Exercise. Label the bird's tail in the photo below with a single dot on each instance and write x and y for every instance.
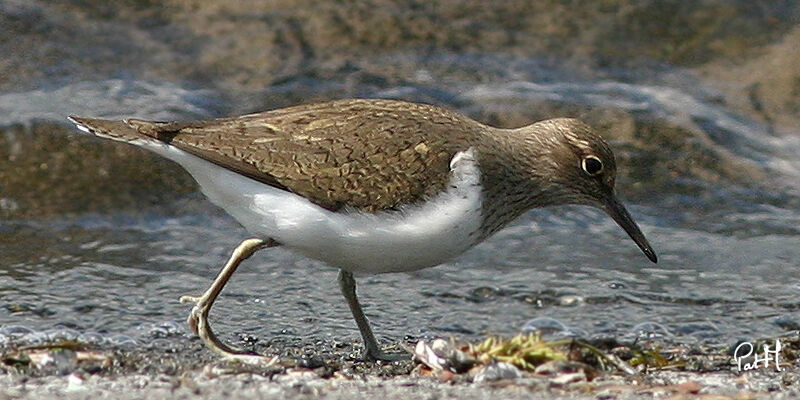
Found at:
(121, 131)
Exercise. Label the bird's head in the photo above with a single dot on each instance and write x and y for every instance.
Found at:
(578, 167)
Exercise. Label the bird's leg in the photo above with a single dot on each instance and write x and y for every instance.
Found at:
(198, 318)
(371, 350)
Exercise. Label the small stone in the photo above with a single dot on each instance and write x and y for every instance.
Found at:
(497, 371)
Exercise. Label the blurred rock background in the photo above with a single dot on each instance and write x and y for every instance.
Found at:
(197, 59)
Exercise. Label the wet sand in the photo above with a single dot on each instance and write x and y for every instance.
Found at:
(186, 370)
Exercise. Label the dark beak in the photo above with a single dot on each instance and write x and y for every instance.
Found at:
(618, 212)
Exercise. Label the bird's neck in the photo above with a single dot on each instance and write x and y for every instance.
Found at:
(515, 177)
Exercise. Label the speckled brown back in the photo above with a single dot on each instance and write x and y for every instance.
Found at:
(370, 155)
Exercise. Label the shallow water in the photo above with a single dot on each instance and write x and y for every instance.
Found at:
(122, 276)
(715, 191)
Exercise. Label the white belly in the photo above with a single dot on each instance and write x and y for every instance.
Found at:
(412, 238)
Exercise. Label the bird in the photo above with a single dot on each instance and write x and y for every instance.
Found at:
(372, 186)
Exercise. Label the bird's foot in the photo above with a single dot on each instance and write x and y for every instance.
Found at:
(195, 314)
(198, 322)
(380, 355)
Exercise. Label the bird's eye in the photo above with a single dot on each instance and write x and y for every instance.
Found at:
(592, 165)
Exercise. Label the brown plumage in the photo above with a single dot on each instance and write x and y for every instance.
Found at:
(377, 155)
(370, 155)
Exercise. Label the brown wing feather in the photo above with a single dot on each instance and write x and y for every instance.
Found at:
(364, 154)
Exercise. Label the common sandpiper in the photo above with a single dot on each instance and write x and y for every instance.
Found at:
(374, 186)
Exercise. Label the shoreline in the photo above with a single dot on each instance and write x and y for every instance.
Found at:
(185, 369)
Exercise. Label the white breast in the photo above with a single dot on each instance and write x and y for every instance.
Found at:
(412, 238)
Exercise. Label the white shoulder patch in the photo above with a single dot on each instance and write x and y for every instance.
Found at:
(464, 169)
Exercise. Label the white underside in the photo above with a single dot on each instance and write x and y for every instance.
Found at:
(412, 238)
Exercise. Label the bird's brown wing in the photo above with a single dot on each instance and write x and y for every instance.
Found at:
(369, 155)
